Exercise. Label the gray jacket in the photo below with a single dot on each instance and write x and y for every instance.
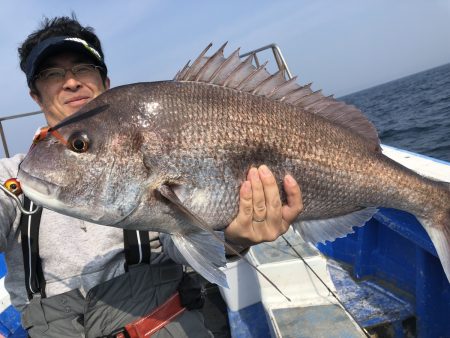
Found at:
(75, 254)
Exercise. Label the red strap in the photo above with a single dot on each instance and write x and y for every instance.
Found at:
(44, 132)
(157, 319)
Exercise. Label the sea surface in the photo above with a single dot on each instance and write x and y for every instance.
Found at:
(411, 113)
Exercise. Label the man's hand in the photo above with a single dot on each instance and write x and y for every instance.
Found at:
(262, 217)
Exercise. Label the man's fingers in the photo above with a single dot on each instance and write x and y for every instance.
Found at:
(271, 196)
(245, 204)
(261, 215)
(259, 201)
(294, 200)
(240, 230)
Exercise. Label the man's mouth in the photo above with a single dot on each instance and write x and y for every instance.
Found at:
(77, 101)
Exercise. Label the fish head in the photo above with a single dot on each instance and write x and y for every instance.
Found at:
(89, 166)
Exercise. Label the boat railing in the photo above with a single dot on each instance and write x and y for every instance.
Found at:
(277, 55)
(2, 131)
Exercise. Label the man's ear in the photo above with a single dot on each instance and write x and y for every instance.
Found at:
(107, 83)
(36, 98)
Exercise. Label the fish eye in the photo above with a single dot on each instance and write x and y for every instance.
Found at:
(78, 143)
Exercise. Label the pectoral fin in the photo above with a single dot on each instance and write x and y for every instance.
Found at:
(203, 249)
(204, 254)
(166, 191)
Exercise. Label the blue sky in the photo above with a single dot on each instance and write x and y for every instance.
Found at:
(340, 46)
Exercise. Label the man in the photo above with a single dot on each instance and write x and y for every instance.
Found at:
(78, 281)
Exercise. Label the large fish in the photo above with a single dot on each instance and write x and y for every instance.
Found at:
(170, 156)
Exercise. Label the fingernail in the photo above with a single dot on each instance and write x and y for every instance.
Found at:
(254, 173)
(264, 170)
(289, 180)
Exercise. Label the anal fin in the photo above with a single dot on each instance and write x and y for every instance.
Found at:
(319, 231)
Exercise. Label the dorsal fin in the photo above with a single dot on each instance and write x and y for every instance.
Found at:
(240, 75)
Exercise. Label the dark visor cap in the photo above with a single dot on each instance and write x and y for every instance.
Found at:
(59, 44)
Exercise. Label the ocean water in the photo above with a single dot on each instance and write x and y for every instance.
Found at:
(411, 113)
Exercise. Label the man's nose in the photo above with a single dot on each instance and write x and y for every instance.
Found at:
(70, 81)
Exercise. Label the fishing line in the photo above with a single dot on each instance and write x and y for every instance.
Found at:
(326, 286)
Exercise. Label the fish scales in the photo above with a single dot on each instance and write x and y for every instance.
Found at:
(239, 130)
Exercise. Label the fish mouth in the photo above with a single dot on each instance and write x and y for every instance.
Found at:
(45, 194)
(39, 191)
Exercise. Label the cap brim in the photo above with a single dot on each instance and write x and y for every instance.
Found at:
(54, 45)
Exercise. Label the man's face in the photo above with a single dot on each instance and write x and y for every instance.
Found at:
(59, 99)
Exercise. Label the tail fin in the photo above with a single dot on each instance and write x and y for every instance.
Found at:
(439, 231)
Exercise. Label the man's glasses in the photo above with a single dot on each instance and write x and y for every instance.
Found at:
(81, 72)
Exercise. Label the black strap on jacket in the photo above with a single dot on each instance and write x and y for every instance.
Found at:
(137, 247)
(136, 243)
(29, 229)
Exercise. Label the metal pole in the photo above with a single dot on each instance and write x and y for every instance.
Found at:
(12, 117)
(255, 57)
(279, 57)
(258, 50)
(281, 62)
(5, 145)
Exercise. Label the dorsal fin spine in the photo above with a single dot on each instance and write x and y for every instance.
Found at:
(223, 65)
(247, 61)
(180, 74)
(265, 82)
(334, 107)
(310, 98)
(251, 76)
(303, 90)
(282, 86)
(325, 105)
(211, 59)
(313, 103)
(189, 74)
